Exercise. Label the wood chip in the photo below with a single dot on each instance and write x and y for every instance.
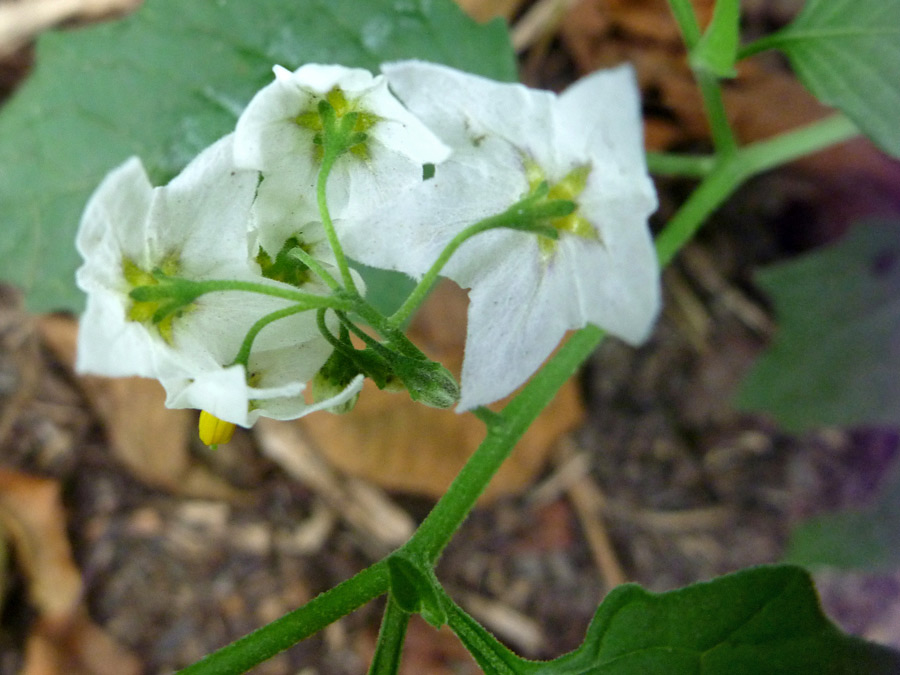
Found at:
(364, 507)
(522, 631)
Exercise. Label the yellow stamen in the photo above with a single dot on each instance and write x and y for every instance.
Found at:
(214, 431)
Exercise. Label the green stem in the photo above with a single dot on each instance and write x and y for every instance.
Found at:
(389, 648)
(722, 134)
(518, 214)
(328, 161)
(684, 14)
(324, 609)
(195, 289)
(504, 431)
(734, 169)
(316, 267)
(772, 41)
(505, 428)
(420, 292)
(492, 656)
(671, 164)
(243, 355)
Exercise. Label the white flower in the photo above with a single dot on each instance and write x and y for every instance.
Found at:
(526, 290)
(194, 228)
(276, 132)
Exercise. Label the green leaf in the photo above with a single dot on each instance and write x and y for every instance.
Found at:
(717, 50)
(169, 80)
(847, 52)
(835, 358)
(852, 539)
(764, 621)
(415, 589)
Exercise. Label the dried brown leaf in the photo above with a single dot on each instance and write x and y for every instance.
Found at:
(21, 22)
(76, 646)
(33, 518)
(484, 10)
(763, 101)
(151, 440)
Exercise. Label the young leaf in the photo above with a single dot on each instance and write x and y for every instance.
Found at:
(717, 49)
(860, 538)
(835, 359)
(760, 620)
(166, 82)
(847, 52)
(416, 590)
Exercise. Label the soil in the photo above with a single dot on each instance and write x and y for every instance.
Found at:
(684, 487)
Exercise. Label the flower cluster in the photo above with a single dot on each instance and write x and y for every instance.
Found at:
(231, 284)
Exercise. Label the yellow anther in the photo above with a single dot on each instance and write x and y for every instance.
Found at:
(214, 431)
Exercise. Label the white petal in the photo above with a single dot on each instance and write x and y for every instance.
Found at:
(110, 345)
(516, 318)
(289, 408)
(223, 393)
(114, 224)
(462, 109)
(408, 232)
(602, 114)
(203, 214)
(267, 128)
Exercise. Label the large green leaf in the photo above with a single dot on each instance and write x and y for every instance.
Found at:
(169, 80)
(836, 357)
(761, 621)
(847, 52)
(867, 538)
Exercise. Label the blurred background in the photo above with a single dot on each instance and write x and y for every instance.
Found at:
(126, 546)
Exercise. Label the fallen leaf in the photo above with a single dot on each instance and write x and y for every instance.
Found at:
(362, 505)
(152, 441)
(63, 639)
(485, 10)
(400, 445)
(33, 518)
(76, 647)
(21, 22)
(763, 101)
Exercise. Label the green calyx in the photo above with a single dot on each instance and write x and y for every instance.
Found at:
(154, 308)
(332, 378)
(568, 190)
(286, 267)
(336, 121)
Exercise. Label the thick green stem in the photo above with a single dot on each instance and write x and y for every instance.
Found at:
(734, 169)
(504, 431)
(689, 166)
(324, 609)
(493, 656)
